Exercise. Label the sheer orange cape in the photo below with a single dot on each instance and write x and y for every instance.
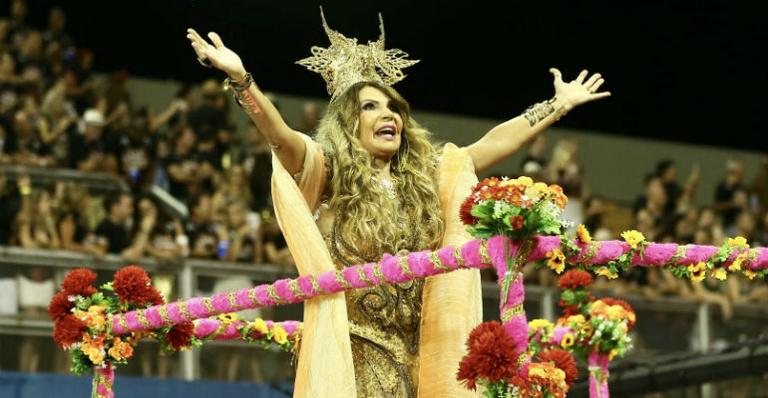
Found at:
(451, 303)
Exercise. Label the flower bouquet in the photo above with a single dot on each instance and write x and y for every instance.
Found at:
(80, 313)
(498, 358)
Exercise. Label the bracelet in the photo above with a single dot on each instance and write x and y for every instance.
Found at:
(238, 86)
(538, 112)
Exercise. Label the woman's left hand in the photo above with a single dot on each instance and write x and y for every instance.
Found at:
(580, 90)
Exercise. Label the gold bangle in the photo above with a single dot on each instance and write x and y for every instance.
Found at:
(238, 86)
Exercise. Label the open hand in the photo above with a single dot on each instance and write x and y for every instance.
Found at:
(216, 54)
(580, 90)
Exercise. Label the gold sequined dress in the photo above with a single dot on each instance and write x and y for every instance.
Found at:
(400, 340)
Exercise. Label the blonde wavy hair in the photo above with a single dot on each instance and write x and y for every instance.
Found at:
(368, 223)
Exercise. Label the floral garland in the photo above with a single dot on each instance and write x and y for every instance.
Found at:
(80, 314)
(498, 357)
(267, 334)
(594, 330)
(81, 325)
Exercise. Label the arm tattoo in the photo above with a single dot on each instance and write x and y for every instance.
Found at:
(538, 112)
(247, 102)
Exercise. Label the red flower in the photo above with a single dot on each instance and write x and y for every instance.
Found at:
(79, 281)
(568, 309)
(133, 285)
(574, 278)
(491, 355)
(59, 305)
(564, 361)
(614, 301)
(465, 211)
(180, 335)
(68, 330)
(516, 222)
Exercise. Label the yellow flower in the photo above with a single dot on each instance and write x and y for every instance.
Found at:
(750, 274)
(582, 233)
(547, 371)
(95, 354)
(575, 320)
(615, 312)
(567, 341)
(738, 261)
(556, 260)
(228, 317)
(536, 190)
(720, 274)
(535, 369)
(279, 334)
(612, 354)
(544, 324)
(260, 326)
(525, 181)
(606, 272)
(96, 309)
(737, 242)
(587, 329)
(633, 237)
(698, 271)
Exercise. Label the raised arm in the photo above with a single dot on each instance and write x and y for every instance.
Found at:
(506, 138)
(285, 142)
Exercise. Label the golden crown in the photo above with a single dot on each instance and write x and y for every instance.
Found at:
(345, 62)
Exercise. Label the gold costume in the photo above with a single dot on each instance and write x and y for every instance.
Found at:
(382, 341)
(402, 340)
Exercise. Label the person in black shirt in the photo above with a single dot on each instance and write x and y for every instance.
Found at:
(87, 150)
(113, 233)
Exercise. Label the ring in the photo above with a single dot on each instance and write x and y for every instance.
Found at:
(204, 61)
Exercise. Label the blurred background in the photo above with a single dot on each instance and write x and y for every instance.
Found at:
(109, 127)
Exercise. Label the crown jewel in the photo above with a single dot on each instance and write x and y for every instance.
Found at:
(345, 62)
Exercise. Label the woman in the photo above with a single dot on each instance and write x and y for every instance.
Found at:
(377, 185)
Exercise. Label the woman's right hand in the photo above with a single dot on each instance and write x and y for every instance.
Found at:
(217, 54)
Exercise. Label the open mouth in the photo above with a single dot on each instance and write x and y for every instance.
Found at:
(387, 132)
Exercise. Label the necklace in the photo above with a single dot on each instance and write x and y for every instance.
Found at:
(387, 186)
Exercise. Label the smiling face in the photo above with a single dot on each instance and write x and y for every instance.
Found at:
(380, 125)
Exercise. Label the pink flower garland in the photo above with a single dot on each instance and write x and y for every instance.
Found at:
(396, 269)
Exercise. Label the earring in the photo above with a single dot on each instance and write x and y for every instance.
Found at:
(402, 156)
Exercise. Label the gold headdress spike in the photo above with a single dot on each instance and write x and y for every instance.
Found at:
(345, 62)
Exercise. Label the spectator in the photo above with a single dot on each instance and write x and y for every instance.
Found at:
(202, 232)
(594, 218)
(10, 204)
(87, 151)
(233, 189)
(187, 175)
(164, 243)
(242, 232)
(566, 171)
(61, 122)
(24, 144)
(37, 226)
(74, 227)
(726, 192)
(534, 163)
(258, 165)
(55, 34)
(115, 235)
(310, 117)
